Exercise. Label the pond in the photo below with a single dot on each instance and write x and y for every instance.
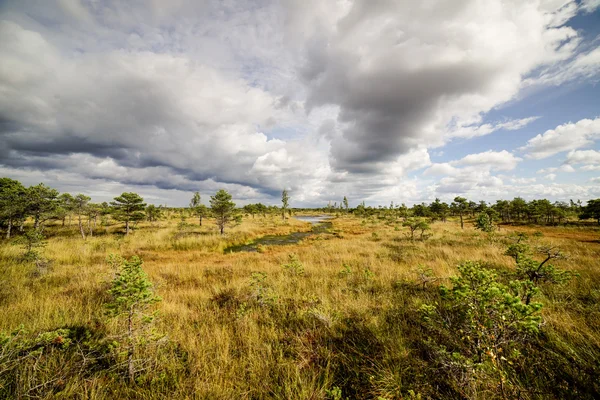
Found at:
(320, 226)
(313, 219)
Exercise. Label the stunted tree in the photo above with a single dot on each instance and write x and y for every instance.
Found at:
(197, 208)
(222, 208)
(11, 204)
(346, 203)
(591, 210)
(128, 207)
(250, 209)
(416, 224)
(105, 211)
(80, 203)
(153, 213)
(202, 212)
(65, 206)
(518, 207)
(93, 210)
(439, 209)
(285, 202)
(261, 209)
(41, 203)
(461, 206)
(484, 222)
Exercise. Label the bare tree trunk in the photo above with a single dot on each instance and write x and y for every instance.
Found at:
(127, 227)
(90, 227)
(130, 369)
(9, 228)
(81, 227)
(462, 226)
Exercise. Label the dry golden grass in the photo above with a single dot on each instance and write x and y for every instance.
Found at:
(235, 349)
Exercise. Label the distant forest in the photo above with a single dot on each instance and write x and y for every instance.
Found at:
(43, 204)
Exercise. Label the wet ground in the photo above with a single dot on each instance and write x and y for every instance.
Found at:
(320, 226)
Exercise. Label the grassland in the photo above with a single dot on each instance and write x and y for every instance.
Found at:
(347, 326)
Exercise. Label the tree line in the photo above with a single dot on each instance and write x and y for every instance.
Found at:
(42, 203)
(518, 210)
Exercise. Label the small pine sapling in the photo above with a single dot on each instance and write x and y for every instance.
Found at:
(293, 266)
(132, 297)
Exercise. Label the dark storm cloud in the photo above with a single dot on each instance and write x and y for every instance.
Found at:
(177, 95)
(138, 109)
(388, 109)
(395, 69)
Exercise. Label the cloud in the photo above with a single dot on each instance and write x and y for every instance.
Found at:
(399, 82)
(583, 157)
(466, 181)
(140, 109)
(472, 172)
(564, 137)
(590, 6)
(584, 66)
(523, 181)
(590, 168)
(488, 160)
(327, 99)
(497, 160)
(441, 169)
(471, 131)
(562, 168)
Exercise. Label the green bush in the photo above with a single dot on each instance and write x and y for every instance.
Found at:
(478, 327)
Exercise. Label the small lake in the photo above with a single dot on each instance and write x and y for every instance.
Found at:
(320, 226)
(313, 219)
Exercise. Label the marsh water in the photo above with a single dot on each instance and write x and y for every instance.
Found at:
(320, 226)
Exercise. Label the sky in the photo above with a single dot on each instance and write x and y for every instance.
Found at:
(376, 100)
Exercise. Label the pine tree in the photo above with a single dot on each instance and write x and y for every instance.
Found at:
(11, 209)
(461, 206)
(198, 208)
(285, 198)
(222, 208)
(41, 203)
(80, 204)
(132, 295)
(128, 207)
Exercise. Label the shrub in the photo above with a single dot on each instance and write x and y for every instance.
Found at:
(293, 267)
(417, 224)
(487, 323)
(262, 293)
(531, 272)
(485, 223)
(32, 241)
